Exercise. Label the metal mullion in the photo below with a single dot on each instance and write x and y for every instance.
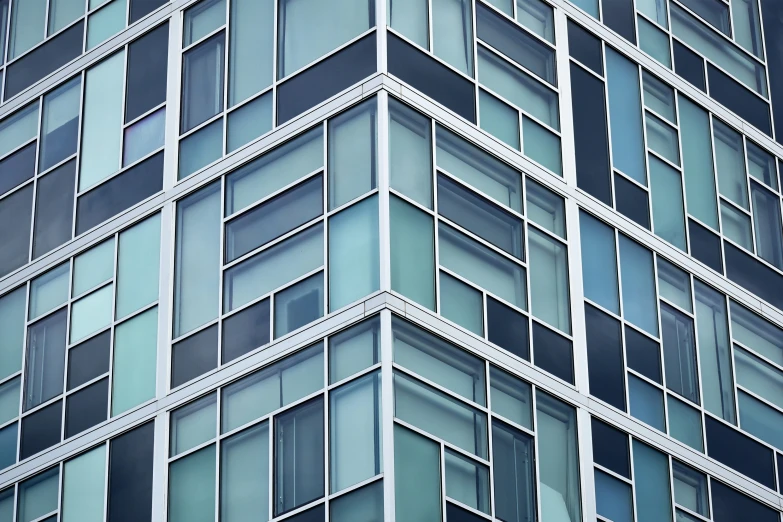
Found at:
(682, 177)
(115, 292)
(430, 26)
(384, 184)
(226, 76)
(106, 460)
(675, 306)
(23, 373)
(221, 272)
(536, 458)
(78, 160)
(273, 88)
(490, 438)
(325, 202)
(442, 480)
(67, 357)
(749, 188)
(521, 124)
(34, 205)
(42, 405)
(46, 34)
(441, 61)
(271, 460)
(290, 514)
(327, 442)
(608, 118)
(474, 56)
(633, 478)
(698, 355)
(60, 490)
(679, 507)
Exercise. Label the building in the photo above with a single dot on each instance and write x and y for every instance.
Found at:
(356, 260)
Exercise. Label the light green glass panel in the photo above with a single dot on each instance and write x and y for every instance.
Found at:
(542, 145)
(93, 267)
(249, 122)
(83, 487)
(192, 487)
(654, 42)
(655, 9)
(759, 377)
(102, 120)
(545, 208)
(455, 47)
(12, 327)
(193, 424)
(730, 163)
(135, 360)
(537, 16)
(105, 23)
(412, 252)
(736, 226)
(511, 397)
(685, 423)
(244, 476)
(461, 303)
(138, 264)
(662, 139)
(28, 26)
(646, 403)
(653, 492)
(674, 284)
(251, 49)
(354, 255)
(201, 19)
(354, 349)
(361, 505)
(417, 481)
(467, 481)
(757, 333)
(18, 128)
(667, 203)
(200, 148)
(299, 304)
(659, 97)
(499, 119)
(63, 12)
(697, 163)
(746, 25)
(760, 419)
(7, 505)
(9, 400)
(549, 280)
(37, 496)
(49, 291)
(590, 6)
(409, 18)
(351, 152)
(410, 153)
(91, 313)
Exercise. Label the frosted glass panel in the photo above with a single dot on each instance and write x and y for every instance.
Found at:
(354, 349)
(83, 487)
(135, 359)
(452, 33)
(417, 480)
(541, 145)
(93, 267)
(91, 313)
(137, 266)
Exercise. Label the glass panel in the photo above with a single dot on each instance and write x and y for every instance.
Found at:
(27, 27)
(38, 495)
(299, 304)
(736, 226)
(625, 115)
(730, 162)
(674, 284)
(662, 139)
(49, 291)
(658, 96)
(610, 448)
(441, 415)
(438, 361)
(410, 149)
(667, 203)
(638, 280)
(591, 7)
(412, 252)
(606, 370)
(586, 48)
(612, 498)
(454, 46)
(679, 352)
(417, 480)
(84, 488)
(757, 333)
(354, 349)
(251, 49)
(599, 264)
(193, 424)
(542, 145)
(499, 119)
(508, 329)
(514, 475)
(354, 255)
(761, 420)
(60, 124)
(8, 444)
(467, 481)
(146, 83)
(747, 29)
(646, 403)
(761, 165)
(197, 259)
(200, 149)
(510, 397)
(299, 445)
(135, 359)
(192, 487)
(759, 377)
(685, 423)
(549, 280)
(559, 460)
(144, 136)
(730, 504)
(697, 163)
(12, 321)
(308, 29)
(352, 153)
(9, 400)
(249, 122)
(63, 12)
(91, 313)
(362, 505)
(643, 354)
(247, 330)
(131, 474)
(690, 488)
(202, 82)
(103, 24)
(41, 430)
(14, 209)
(477, 263)
(102, 122)
(137, 266)
(545, 208)
(553, 353)
(45, 359)
(86, 408)
(631, 200)
(7, 504)
(274, 170)
(18, 128)
(461, 304)
(202, 19)
(766, 218)
(244, 475)
(54, 209)
(538, 17)
(651, 475)
(355, 432)
(18, 167)
(653, 41)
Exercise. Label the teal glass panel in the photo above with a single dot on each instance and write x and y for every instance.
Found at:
(12, 328)
(200, 148)
(18, 128)
(511, 397)
(549, 280)
(651, 476)
(730, 163)
(93, 267)
(697, 163)
(467, 481)
(49, 291)
(410, 18)
(662, 139)
(599, 264)
(736, 226)
(91, 313)
(352, 153)
(545, 208)
(84, 487)
(361, 505)
(103, 24)
(250, 50)
(192, 487)
(542, 145)
(417, 480)
(760, 419)
(659, 97)
(667, 203)
(646, 403)
(28, 26)
(193, 424)
(412, 252)
(690, 489)
(655, 9)
(674, 284)
(685, 423)
(461, 303)
(299, 304)
(589, 6)
(9, 400)
(63, 12)
(638, 280)
(7, 504)
(138, 265)
(201, 19)
(746, 25)
(761, 165)
(37, 496)
(625, 116)
(249, 122)
(499, 119)
(538, 17)
(612, 498)
(759, 377)
(654, 42)
(757, 333)
(135, 361)
(410, 153)
(244, 476)
(354, 349)
(455, 47)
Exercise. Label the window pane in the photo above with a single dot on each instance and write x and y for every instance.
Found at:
(9, 400)
(249, 122)
(102, 123)
(638, 279)
(438, 361)
(545, 208)
(37, 496)
(8, 441)
(192, 487)
(646, 403)
(147, 71)
(130, 475)
(510, 397)
(308, 29)
(730, 505)
(549, 280)
(354, 349)
(138, 265)
(441, 415)
(412, 252)
(674, 284)
(41, 430)
(352, 149)
(599, 264)
(730, 162)
(135, 360)
(625, 115)
(410, 149)
(194, 356)
(606, 371)
(631, 200)
(757, 333)
(514, 474)
(747, 29)
(499, 119)
(60, 124)
(766, 218)
(202, 82)
(103, 24)
(761, 165)
(299, 446)
(197, 259)
(91, 313)
(667, 203)
(679, 353)
(27, 26)
(86, 408)
(354, 255)
(542, 145)
(461, 303)
(651, 475)
(559, 460)
(244, 475)
(18, 128)
(685, 423)
(643, 354)
(538, 17)
(144, 136)
(610, 448)
(761, 420)
(759, 377)
(662, 139)
(467, 481)
(45, 359)
(63, 12)
(12, 320)
(15, 209)
(355, 432)
(417, 480)
(245, 331)
(200, 149)
(455, 47)
(553, 353)
(193, 424)
(362, 505)
(736, 226)
(690, 488)
(657, 95)
(477, 263)
(697, 163)
(18, 167)
(613, 497)
(508, 328)
(54, 209)
(251, 48)
(654, 42)
(49, 291)
(299, 304)
(202, 19)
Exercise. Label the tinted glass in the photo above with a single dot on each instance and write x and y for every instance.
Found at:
(643, 354)
(632, 201)
(772, 13)
(89, 359)
(740, 452)
(44, 59)
(246, 331)
(147, 72)
(780, 472)
(514, 472)
(610, 448)
(60, 124)
(585, 48)
(605, 357)
(15, 238)
(130, 475)
(202, 83)
(17, 167)
(41, 430)
(619, 15)
(754, 276)
(729, 505)
(326, 78)
(432, 78)
(54, 209)
(705, 246)
(591, 140)
(508, 328)
(457, 514)
(553, 353)
(86, 408)
(679, 353)
(315, 514)
(120, 193)
(45, 359)
(141, 8)
(689, 65)
(194, 356)
(737, 98)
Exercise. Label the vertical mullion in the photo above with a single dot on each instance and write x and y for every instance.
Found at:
(114, 322)
(221, 256)
(78, 159)
(125, 52)
(387, 419)
(326, 216)
(66, 354)
(23, 376)
(384, 182)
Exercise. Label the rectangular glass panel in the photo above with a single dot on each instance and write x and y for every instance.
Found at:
(757, 333)
(251, 48)
(685, 423)
(193, 424)
(679, 353)
(200, 149)
(714, 12)
(299, 304)
(736, 226)
(541, 145)
(514, 475)
(412, 252)
(244, 475)
(499, 119)
(50, 290)
(410, 153)
(766, 218)
(662, 139)
(27, 26)
(467, 481)
(511, 397)
(651, 475)
(659, 97)
(202, 82)
(452, 33)
(646, 403)
(91, 313)
(761, 165)
(131, 474)
(9, 400)
(191, 495)
(697, 163)
(759, 377)
(352, 146)
(63, 12)
(249, 122)
(45, 359)
(354, 349)
(667, 203)
(144, 137)
(37, 496)
(461, 303)
(538, 17)
(84, 487)
(138, 264)
(747, 28)
(613, 497)
(12, 328)
(625, 115)
(549, 280)
(674, 284)
(654, 42)
(103, 24)
(730, 163)
(362, 505)
(135, 359)
(761, 420)
(638, 280)
(54, 209)
(417, 480)
(201, 19)
(60, 124)
(546, 208)
(690, 488)
(599, 263)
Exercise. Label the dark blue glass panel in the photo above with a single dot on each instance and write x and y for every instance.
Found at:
(316, 514)
(41, 430)
(737, 98)
(246, 331)
(147, 72)
(772, 13)
(584, 47)
(619, 15)
(605, 357)
(705, 246)
(740, 452)
(54, 209)
(194, 356)
(130, 475)
(44, 60)
(780, 472)
(514, 472)
(588, 102)
(755, 277)
(729, 505)
(326, 78)
(689, 65)
(119, 193)
(86, 408)
(553, 353)
(643, 354)
(8, 445)
(432, 78)
(89, 360)
(631, 201)
(141, 8)
(15, 214)
(16, 168)
(508, 329)
(457, 514)
(610, 448)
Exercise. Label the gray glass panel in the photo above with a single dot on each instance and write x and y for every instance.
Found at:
(766, 218)
(15, 210)
(202, 82)
(45, 362)
(54, 209)
(679, 353)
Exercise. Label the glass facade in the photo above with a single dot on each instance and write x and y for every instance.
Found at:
(414, 260)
